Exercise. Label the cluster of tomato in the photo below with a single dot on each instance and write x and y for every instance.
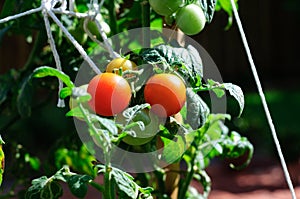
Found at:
(111, 93)
(190, 18)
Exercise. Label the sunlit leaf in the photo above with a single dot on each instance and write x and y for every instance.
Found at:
(45, 71)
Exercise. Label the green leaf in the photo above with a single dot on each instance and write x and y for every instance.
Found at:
(75, 112)
(216, 87)
(197, 109)
(52, 190)
(226, 6)
(78, 184)
(237, 93)
(186, 61)
(43, 188)
(235, 146)
(173, 149)
(45, 71)
(107, 124)
(208, 7)
(202, 177)
(65, 92)
(125, 183)
(33, 161)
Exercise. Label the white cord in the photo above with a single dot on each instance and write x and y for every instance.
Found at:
(51, 41)
(263, 99)
(6, 19)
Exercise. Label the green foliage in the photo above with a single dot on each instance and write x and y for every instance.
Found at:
(208, 7)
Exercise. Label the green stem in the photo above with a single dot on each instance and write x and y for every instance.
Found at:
(108, 183)
(146, 23)
(97, 186)
(185, 186)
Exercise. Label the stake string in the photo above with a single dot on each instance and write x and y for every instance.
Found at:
(263, 99)
(55, 54)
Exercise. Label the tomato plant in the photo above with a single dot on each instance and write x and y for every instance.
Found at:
(120, 63)
(190, 19)
(166, 93)
(110, 93)
(155, 108)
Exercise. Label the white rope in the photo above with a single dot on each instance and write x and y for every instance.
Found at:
(75, 43)
(6, 19)
(264, 102)
(51, 41)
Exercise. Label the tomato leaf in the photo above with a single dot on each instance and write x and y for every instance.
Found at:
(44, 188)
(208, 7)
(185, 61)
(235, 146)
(202, 177)
(197, 109)
(107, 124)
(125, 183)
(45, 71)
(78, 184)
(237, 93)
(173, 149)
(65, 92)
(226, 6)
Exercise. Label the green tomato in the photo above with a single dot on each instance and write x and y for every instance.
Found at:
(165, 7)
(151, 123)
(190, 19)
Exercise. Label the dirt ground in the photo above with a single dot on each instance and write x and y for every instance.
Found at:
(262, 179)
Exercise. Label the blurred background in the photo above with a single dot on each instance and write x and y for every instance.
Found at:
(272, 31)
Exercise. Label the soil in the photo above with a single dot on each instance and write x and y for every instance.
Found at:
(262, 179)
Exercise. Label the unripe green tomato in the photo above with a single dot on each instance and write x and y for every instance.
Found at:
(165, 7)
(151, 122)
(190, 19)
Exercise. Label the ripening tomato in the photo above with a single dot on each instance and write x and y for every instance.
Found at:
(118, 63)
(110, 93)
(166, 93)
(190, 19)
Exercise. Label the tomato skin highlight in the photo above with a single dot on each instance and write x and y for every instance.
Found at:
(110, 93)
(166, 93)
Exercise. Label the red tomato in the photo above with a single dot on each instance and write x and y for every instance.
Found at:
(166, 93)
(110, 93)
